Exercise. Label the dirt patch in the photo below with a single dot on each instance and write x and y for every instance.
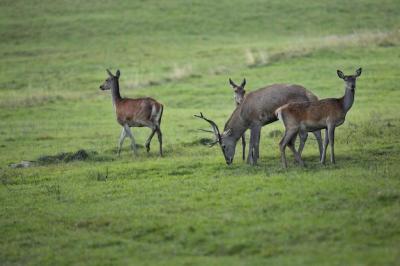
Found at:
(80, 155)
(63, 157)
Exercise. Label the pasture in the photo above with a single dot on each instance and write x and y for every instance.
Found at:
(189, 207)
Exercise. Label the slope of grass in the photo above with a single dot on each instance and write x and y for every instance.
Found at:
(189, 207)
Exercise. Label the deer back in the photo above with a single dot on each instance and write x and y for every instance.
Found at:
(259, 106)
(138, 112)
(314, 114)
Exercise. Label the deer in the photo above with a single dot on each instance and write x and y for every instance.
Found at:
(238, 95)
(139, 112)
(300, 118)
(256, 110)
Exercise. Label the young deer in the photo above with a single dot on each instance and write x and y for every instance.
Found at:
(238, 95)
(140, 112)
(300, 118)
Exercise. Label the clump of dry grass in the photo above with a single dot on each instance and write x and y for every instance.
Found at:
(180, 72)
(301, 48)
(177, 73)
(256, 57)
(259, 57)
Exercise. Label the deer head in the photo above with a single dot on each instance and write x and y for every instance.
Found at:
(225, 140)
(350, 81)
(110, 81)
(238, 90)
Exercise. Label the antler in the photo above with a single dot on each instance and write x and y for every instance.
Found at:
(214, 127)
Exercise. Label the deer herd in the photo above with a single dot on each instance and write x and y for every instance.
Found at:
(297, 108)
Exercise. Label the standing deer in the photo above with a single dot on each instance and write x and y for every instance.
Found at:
(256, 110)
(300, 118)
(238, 95)
(140, 112)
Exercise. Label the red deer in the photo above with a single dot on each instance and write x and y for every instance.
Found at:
(140, 112)
(300, 118)
(256, 110)
(238, 95)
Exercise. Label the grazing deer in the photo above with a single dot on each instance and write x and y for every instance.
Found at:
(256, 110)
(140, 112)
(238, 95)
(300, 118)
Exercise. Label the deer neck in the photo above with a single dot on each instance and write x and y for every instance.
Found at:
(348, 99)
(116, 97)
(237, 124)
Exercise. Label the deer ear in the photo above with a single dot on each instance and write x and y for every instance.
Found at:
(109, 73)
(358, 72)
(340, 74)
(118, 73)
(232, 83)
(243, 83)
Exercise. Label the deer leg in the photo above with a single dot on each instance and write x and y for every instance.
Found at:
(153, 131)
(257, 142)
(159, 135)
(296, 154)
(289, 134)
(254, 141)
(244, 146)
(303, 138)
(317, 135)
(326, 141)
(130, 135)
(250, 155)
(331, 136)
(121, 140)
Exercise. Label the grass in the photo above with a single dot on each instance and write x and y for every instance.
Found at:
(189, 207)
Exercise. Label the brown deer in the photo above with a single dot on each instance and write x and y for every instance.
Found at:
(140, 112)
(303, 117)
(256, 110)
(238, 95)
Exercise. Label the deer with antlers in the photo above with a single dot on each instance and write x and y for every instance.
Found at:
(238, 95)
(256, 110)
(140, 112)
(303, 117)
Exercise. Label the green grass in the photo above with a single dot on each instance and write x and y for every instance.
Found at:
(189, 207)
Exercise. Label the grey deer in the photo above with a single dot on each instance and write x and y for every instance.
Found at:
(256, 110)
(139, 112)
(238, 95)
(300, 118)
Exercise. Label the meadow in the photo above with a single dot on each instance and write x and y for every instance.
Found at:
(189, 207)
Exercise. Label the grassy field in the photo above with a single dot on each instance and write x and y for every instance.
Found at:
(189, 207)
